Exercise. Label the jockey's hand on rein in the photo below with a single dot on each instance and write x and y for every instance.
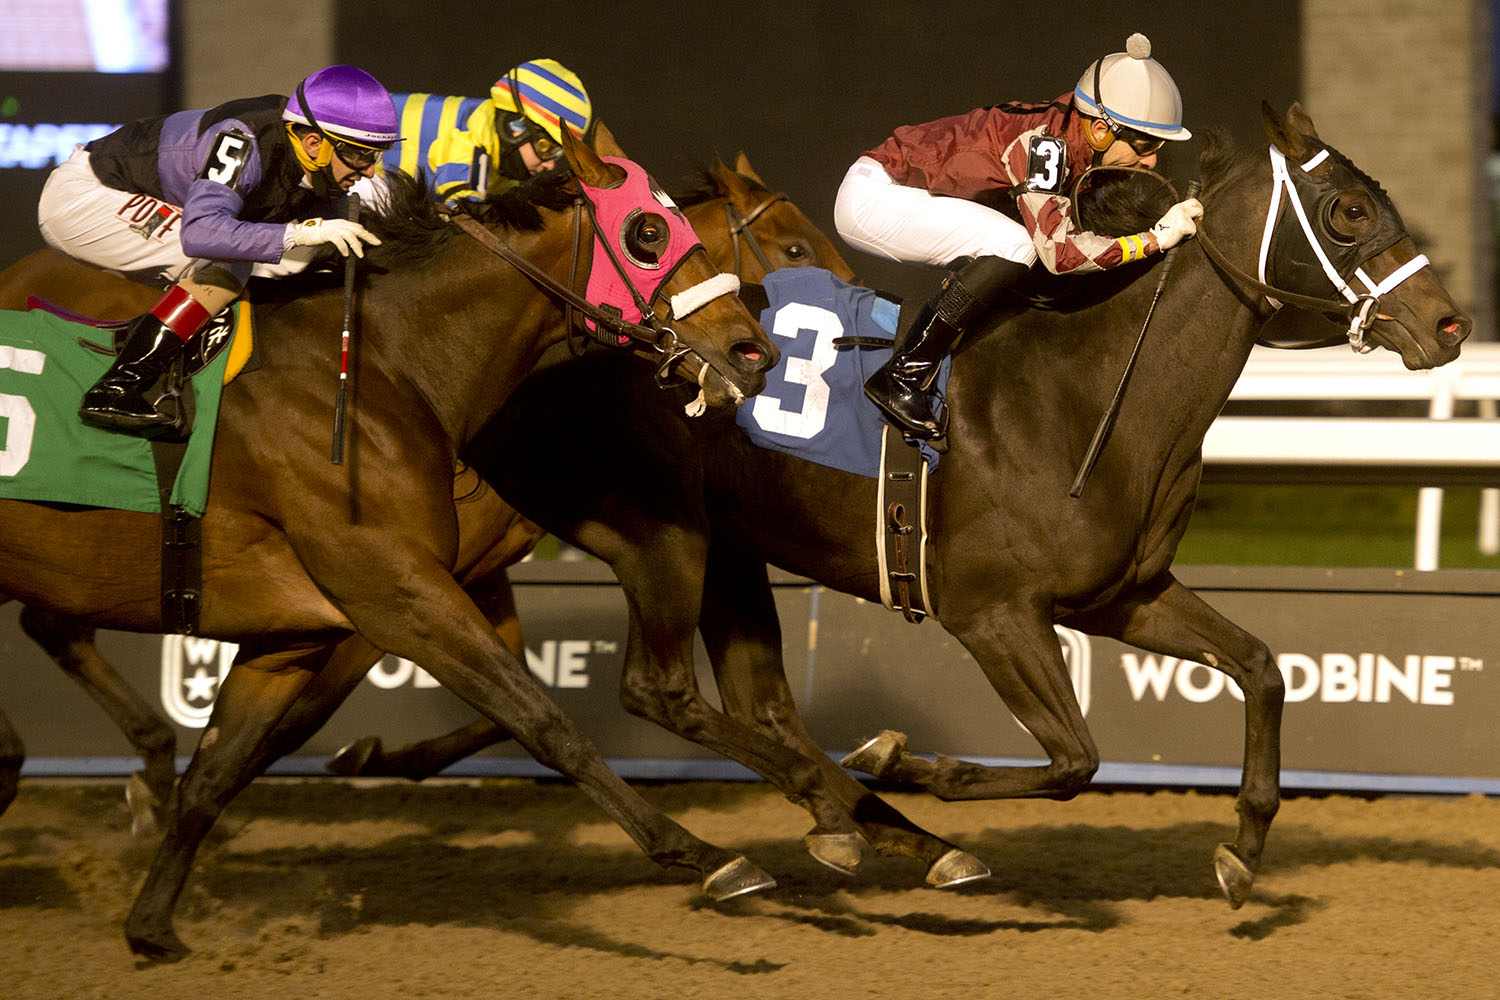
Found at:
(1180, 222)
(347, 236)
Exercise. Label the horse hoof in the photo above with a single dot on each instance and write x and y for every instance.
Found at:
(1235, 877)
(163, 947)
(736, 879)
(877, 754)
(143, 804)
(840, 851)
(352, 760)
(955, 868)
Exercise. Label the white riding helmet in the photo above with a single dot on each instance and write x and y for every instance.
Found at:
(1136, 92)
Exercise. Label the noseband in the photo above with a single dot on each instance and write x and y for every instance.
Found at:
(1360, 308)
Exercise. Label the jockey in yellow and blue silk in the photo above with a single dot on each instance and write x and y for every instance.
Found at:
(475, 147)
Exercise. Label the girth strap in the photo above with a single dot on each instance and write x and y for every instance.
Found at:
(901, 527)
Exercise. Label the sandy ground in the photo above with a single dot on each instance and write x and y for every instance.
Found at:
(455, 889)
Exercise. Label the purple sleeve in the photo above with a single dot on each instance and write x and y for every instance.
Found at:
(213, 186)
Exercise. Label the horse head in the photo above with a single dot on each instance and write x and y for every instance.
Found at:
(776, 232)
(649, 266)
(1331, 230)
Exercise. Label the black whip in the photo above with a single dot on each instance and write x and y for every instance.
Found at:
(340, 403)
(1107, 422)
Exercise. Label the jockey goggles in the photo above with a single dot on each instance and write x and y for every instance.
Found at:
(522, 130)
(355, 156)
(1140, 142)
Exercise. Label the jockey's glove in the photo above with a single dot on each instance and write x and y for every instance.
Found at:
(1180, 222)
(346, 235)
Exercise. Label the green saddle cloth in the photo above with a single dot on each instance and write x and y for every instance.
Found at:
(47, 453)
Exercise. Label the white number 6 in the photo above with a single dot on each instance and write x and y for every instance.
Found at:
(20, 418)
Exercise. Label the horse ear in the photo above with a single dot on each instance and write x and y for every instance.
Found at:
(586, 164)
(729, 183)
(742, 166)
(604, 142)
(1291, 142)
(1299, 120)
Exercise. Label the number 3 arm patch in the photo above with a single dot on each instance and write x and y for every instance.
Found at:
(226, 157)
(1046, 162)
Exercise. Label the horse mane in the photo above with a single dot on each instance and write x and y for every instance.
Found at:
(698, 187)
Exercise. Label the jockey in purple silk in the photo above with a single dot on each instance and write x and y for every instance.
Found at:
(198, 201)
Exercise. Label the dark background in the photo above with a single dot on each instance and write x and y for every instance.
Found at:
(801, 88)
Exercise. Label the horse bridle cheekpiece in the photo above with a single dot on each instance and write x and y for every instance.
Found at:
(640, 239)
(1305, 265)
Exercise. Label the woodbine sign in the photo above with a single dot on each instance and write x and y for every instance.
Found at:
(1393, 683)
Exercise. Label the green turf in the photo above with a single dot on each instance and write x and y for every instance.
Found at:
(1327, 526)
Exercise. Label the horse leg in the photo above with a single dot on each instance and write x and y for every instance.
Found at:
(1170, 619)
(742, 633)
(367, 756)
(466, 656)
(1023, 661)
(12, 756)
(70, 643)
(252, 699)
(663, 579)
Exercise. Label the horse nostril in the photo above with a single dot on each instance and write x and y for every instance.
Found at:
(1454, 329)
(751, 356)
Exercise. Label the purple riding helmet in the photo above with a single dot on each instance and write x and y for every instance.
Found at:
(352, 111)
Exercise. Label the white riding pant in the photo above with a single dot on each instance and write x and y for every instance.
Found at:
(132, 235)
(875, 214)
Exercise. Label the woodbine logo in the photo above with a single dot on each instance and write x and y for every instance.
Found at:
(1330, 678)
(192, 669)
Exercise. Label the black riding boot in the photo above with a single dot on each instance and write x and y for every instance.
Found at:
(118, 399)
(900, 387)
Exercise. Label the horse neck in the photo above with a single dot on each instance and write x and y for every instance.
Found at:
(480, 324)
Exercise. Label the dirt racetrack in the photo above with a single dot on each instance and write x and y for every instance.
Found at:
(513, 889)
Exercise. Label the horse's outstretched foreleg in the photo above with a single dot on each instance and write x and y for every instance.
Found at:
(742, 633)
(491, 591)
(1169, 618)
(467, 657)
(258, 691)
(12, 756)
(70, 643)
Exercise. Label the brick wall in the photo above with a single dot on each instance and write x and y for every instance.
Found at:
(1402, 88)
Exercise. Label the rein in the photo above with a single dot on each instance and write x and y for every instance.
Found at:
(741, 224)
(660, 337)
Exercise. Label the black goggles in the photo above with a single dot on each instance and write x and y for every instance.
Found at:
(1140, 142)
(354, 155)
(522, 130)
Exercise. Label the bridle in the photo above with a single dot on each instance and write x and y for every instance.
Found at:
(740, 224)
(1359, 309)
(610, 326)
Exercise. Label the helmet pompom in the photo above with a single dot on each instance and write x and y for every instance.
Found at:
(1138, 46)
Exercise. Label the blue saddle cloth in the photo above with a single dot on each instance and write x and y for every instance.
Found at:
(814, 404)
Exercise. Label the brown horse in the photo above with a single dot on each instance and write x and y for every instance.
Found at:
(1012, 553)
(746, 229)
(298, 552)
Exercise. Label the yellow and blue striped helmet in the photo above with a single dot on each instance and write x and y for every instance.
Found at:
(547, 93)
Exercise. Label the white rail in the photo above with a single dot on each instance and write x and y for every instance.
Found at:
(1437, 449)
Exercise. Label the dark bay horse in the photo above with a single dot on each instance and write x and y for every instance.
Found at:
(298, 552)
(1011, 553)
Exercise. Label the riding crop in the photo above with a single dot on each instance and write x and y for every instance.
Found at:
(1107, 422)
(340, 403)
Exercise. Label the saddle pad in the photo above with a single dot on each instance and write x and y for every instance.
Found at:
(814, 404)
(49, 454)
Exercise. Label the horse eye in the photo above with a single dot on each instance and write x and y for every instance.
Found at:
(1345, 218)
(796, 251)
(645, 238)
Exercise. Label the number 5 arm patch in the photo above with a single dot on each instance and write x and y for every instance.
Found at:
(226, 157)
(1046, 160)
